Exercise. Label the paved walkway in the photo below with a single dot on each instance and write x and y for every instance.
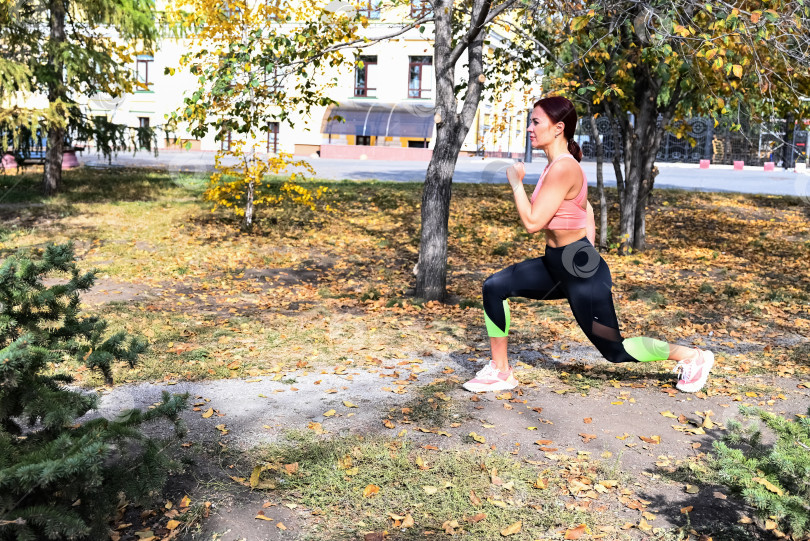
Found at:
(719, 178)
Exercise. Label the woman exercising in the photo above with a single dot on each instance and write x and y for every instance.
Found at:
(571, 268)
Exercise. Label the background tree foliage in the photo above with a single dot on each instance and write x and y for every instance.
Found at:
(54, 51)
(258, 63)
(650, 66)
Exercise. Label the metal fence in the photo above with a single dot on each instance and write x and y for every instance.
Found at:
(753, 144)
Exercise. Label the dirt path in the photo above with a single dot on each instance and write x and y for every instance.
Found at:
(609, 423)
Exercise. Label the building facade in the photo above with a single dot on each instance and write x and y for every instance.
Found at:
(385, 104)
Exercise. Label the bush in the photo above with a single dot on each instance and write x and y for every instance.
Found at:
(771, 478)
(62, 477)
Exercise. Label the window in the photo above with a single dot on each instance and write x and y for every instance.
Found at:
(417, 144)
(369, 8)
(420, 71)
(272, 138)
(363, 140)
(361, 77)
(143, 121)
(226, 141)
(142, 65)
(420, 8)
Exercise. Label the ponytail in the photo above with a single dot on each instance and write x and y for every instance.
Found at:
(574, 149)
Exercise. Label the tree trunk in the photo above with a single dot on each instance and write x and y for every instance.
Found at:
(600, 182)
(618, 144)
(642, 146)
(432, 275)
(451, 129)
(247, 223)
(52, 178)
(787, 148)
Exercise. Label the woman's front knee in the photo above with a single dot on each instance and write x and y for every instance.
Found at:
(492, 286)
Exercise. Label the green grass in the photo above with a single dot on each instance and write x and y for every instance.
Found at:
(332, 475)
(430, 406)
(347, 275)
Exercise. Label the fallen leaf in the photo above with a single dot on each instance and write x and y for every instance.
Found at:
(388, 424)
(430, 490)
(172, 524)
(476, 437)
(587, 420)
(255, 476)
(477, 518)
(719, 495)
(653, 439)
(770, 525)
(692, 489)
(587, 437)
(687, 509)
(575, 533)
(512, 529)
(261, 516)
(281, 526)
(407, 522)
(541, 483)
(767, 484)
(208, 413)
(329, 413)
(669, 414)
(449, 526)
(349, 404)
(370, 491)
(475, 500)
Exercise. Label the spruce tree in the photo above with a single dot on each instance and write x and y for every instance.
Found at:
(774, 479)
(62, 477)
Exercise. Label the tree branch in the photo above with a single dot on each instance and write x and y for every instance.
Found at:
(485, 16)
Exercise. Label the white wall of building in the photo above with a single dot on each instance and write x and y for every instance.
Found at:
(389, 77)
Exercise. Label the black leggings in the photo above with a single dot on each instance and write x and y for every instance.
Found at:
(575, 272)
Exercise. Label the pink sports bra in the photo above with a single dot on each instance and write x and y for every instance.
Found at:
(570, 215)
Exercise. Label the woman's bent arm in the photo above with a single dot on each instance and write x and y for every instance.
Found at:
(591, 224)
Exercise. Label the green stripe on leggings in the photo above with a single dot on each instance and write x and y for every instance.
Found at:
(646, 349)
(493, 330)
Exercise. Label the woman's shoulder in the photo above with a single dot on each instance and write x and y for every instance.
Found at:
(567, 167)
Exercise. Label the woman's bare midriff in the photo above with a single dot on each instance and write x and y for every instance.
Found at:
(563, 237)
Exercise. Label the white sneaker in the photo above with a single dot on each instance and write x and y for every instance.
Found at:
(692, 376)
(490, 378)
